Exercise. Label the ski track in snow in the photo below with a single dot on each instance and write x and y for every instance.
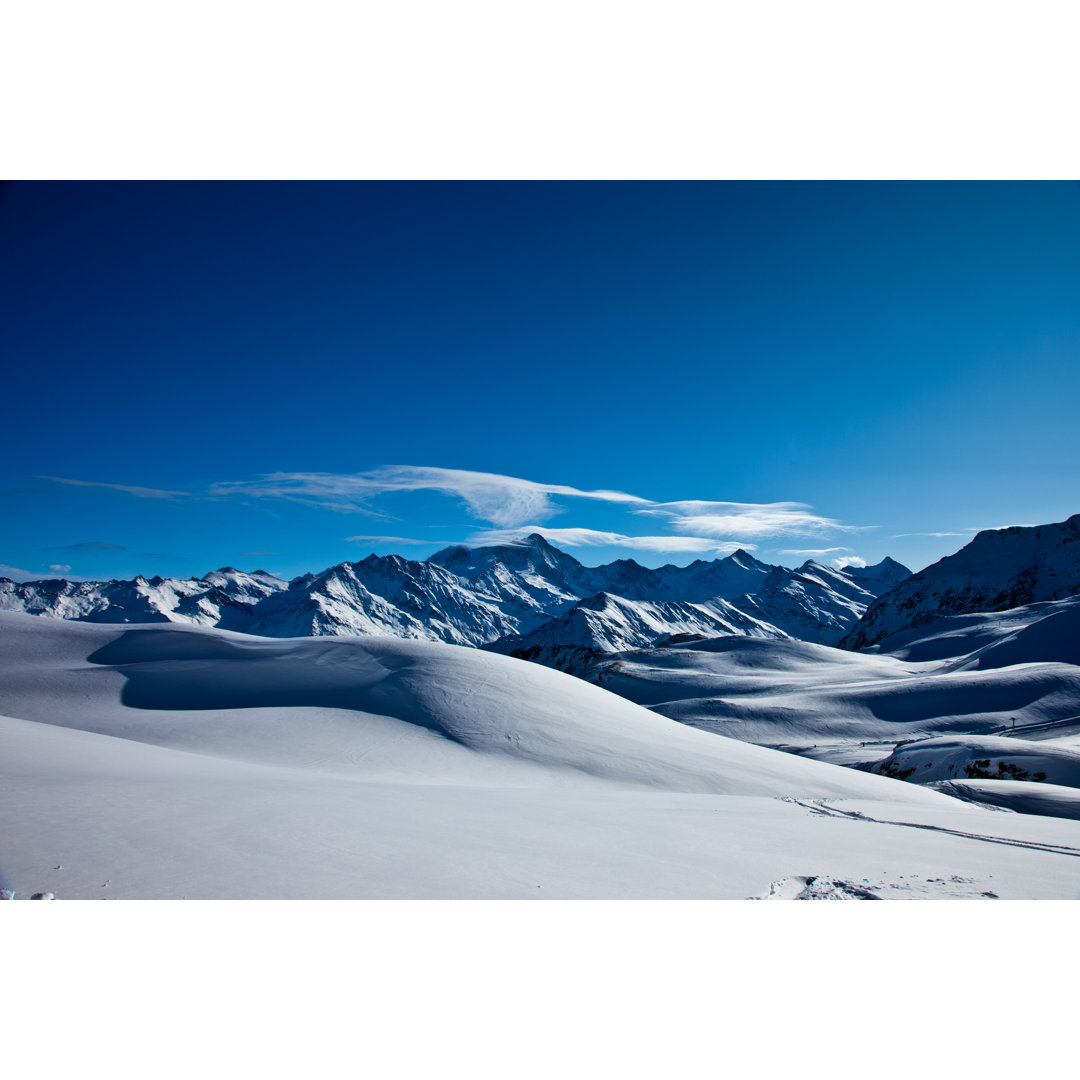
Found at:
(822, 806)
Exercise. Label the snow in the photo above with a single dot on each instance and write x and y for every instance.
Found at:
(169, 761)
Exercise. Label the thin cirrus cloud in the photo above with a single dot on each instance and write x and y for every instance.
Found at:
(505, 501)
(16, 574)
(509, 502)
(369, 540)
(59, 568)
(138, 492)
(600, 538)
(87, 545)
(749, 520)
(811, 553)
(939, 535)
(963, 532)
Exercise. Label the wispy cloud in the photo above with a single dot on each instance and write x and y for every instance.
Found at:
(811, 553)
(87, 545)
(505, 501)
(58, 568)
(599, 538)
(965, 532)
(385, 540)
(848, 560)
(138, 492)
(509, 502)
(16, 574)
(752, 520)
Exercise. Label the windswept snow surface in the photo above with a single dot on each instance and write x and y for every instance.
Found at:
(164, 761)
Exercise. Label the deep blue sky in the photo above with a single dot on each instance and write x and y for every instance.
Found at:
(899, 357)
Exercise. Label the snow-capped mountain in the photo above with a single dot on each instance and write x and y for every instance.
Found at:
(879, 578)
(999, 569)
(737, 575)
(610, 623)
(225, 598)
(813, 603)
(388, 596)
(522, 595)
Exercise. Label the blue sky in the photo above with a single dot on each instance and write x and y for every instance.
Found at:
(279, 375)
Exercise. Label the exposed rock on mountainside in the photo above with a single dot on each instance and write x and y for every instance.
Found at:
(1000, 569)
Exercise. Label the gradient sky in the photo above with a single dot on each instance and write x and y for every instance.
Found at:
(278, 375)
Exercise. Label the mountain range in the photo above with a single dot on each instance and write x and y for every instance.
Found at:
(512, 598)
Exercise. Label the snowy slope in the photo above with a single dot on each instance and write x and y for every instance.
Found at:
(999, 569)
(486, 703)
(164, 761)
(1033, 633)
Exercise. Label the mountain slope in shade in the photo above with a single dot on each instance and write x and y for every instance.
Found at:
(998, 570)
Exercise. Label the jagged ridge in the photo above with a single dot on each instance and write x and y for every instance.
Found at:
(520, 595)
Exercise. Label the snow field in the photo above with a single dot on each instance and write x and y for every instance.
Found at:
(154, 762)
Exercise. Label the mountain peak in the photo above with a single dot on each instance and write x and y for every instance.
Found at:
(742, 557)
